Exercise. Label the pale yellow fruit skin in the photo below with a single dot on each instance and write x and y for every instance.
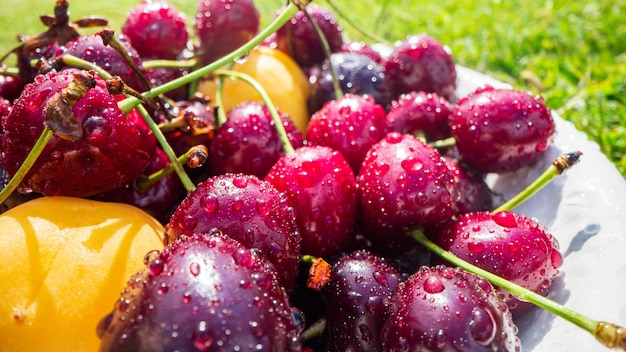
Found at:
(66, 260)
(278, 74)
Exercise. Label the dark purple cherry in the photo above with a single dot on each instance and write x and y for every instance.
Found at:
(320, 185)
(446, 309)
(501, 130)
(357, 74)
(358, 293)
(10, 87)
(421, 63)
(475, 194)
(203, 292)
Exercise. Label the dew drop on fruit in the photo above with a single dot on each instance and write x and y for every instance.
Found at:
(150, 256)
(412, 164)
(240, 181)
(556, 258)
(505, 219)
(482, 326)
(96, 128)
(155, 267)
(433, 285)
(476, 247)
(49, 187)
(393, 138)
(202, 338)
(186, 297)
(162, 289)
(380, 169)
(441, 339)
(263, 207)
(194, 269)
(244, 257)
(210, 204)
(380, 278)
(35, 100)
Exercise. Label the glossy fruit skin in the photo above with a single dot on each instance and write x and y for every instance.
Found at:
(421, 63)
(420, 112)
(403, 183)
(92, 49)
(70, 258)
(247, 209)
(248, 141)
(203, 292)
(10, 87)
(157, 30)
(112, 151)
(448, 309)
(501, 130)
(362, 48)
(222, 26)
(510, 245)
(357, 74)
(474, 192)
(358, 293)
(350, 125)
(299, 39)
(321, 187)
(280, 76)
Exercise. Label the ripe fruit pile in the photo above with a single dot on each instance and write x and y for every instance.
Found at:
(334, 154)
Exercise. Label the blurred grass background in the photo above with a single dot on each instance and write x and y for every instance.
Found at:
(572, 53)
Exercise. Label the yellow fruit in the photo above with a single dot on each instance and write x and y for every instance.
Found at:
(277, 73)
(66, 260)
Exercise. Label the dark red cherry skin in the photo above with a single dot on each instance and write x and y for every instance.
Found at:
(223, 26)
(157, 30)
(362, 48)
(299, 39)
(358, 293)
(501, 130)
(421, 63)
(510, 245)
(350, 125)
(475, 194)
(158, 200)
(247, 209)
(403, 183)
(419, 112)
(161, 75)
(92, 49)
(113, 150)
(321, 187)
(10, 87)
(203, 292)
(357, 74)
(448, 309)
(248, 141)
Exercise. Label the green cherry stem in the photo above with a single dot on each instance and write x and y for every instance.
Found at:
(152, 64)
(31, 158)
(608, 334)
(220, 119)
(279, 21)
(558, 167)
(178, 167)
(282, 133)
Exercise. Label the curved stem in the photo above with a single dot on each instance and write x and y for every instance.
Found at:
(129, 103)
(608, 334)
(558, 166)
(282, 133)
(150, 64)
(34, 153)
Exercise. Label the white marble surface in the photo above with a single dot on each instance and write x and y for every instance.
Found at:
(585, 210)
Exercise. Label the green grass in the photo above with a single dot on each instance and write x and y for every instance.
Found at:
(572, 53)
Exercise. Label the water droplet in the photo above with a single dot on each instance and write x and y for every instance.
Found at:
(49, 187)
(441, 339)
(210, 204)
(393, 137)
(482, 326)
(186, 297)
(412, 164)
(243, 257)
(162, 288)
(433, 285)
(202, 337)
(505, 219)
(556, 258)
(194, 269)
(263, 207)
(541, 146)
(380, 169)
(476, 247)
(96, 128)
(156, 267)
(380, 278)
(240, 181)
